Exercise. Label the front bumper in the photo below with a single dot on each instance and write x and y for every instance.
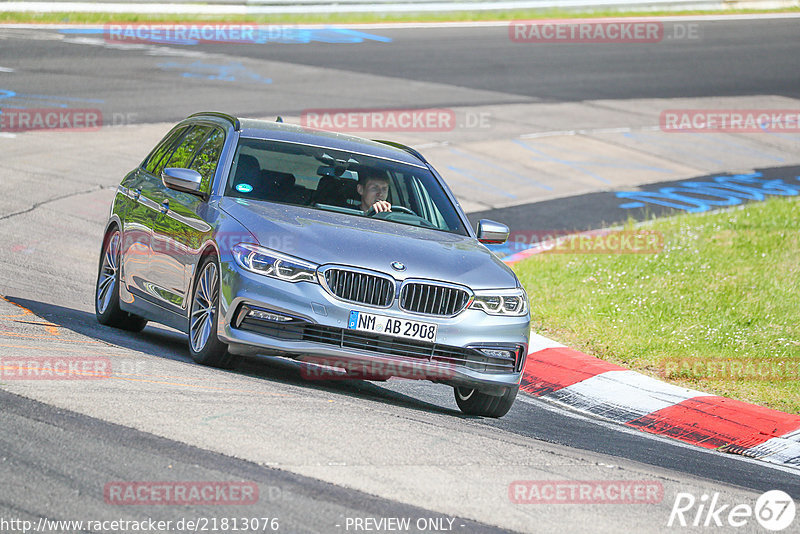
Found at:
(318, 333)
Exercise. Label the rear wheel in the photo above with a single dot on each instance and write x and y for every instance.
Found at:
(473, 402)
(204, 344)
(106, 297)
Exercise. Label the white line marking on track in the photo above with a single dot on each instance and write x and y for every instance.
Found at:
(6, 69)
(624, 395)
(590, 131)
(554, 406)
(433, 144)
(777, 450)
(539, 342)
(414, 25)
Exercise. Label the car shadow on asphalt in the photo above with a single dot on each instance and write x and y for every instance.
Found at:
(163, 342)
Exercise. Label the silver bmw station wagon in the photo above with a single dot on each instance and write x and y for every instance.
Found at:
(353, 256)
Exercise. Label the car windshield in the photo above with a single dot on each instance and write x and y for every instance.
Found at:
(333, 180)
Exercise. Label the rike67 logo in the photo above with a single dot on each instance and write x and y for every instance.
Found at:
(774, 510)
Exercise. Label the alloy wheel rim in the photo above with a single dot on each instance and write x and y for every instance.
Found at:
(202, 319)
(107, 281)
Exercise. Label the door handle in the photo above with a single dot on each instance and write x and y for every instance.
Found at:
(165, 206)
(136, 194)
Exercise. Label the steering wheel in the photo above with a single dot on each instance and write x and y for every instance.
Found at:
(371, 212)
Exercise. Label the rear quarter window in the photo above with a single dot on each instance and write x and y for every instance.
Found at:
(207, 158)
(184, 153)
(151, 164)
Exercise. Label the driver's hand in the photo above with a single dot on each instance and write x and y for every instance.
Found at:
(382, 206)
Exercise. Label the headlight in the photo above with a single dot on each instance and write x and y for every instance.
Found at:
(261, 260)
(513, 302)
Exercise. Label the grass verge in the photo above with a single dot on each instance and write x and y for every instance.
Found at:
(12, 17)
(717, 310)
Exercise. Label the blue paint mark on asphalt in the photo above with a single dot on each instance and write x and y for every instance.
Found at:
(260, 35)
(494, 166)
(488, 187)
(739, 146)
(81, 31)
(24, 100)
(572, 164)
(693, 197)
(656, 140)
(231, 72)
(64, 98)
(778, 134)
(580, 166)
(791, 137)
(332, 35)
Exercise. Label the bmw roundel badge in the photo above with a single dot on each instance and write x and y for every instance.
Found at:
(397, 266)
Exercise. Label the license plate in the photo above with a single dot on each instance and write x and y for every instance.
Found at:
(392, 326)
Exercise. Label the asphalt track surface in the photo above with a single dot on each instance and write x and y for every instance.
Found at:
(591, 211)
(58, 450)
(486, 60)
(753, 57)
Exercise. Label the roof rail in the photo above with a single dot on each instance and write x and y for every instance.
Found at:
(403, 147)
(230, 118)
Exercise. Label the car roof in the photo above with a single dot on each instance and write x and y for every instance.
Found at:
(281, 131)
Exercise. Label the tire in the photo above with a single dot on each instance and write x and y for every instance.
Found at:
(106, 292)
(473, 402)
(204, 344)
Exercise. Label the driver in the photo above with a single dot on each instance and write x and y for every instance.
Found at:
(373, 186)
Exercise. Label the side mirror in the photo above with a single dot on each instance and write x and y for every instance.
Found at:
(491, 232)
(185, 180)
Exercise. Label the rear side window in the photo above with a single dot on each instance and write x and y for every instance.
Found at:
(207, 158)
(151, 165)
(183, 154)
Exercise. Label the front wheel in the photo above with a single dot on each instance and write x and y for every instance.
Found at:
(204, 344)
(473, 402)
(106, 295)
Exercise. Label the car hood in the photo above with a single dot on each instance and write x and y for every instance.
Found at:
(328, 237)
